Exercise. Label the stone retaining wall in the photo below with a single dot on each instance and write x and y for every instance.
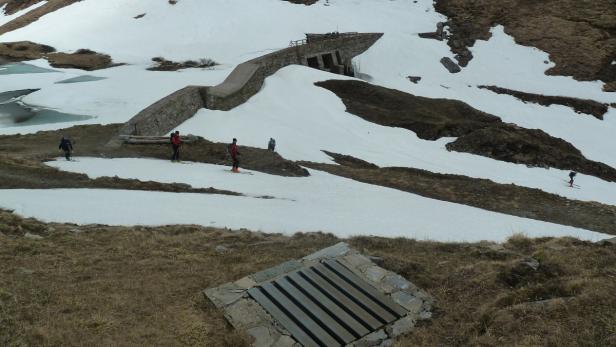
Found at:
(163, 116)
(245, 81)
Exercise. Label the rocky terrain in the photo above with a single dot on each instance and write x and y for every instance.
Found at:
(591, 107)
(580, 36)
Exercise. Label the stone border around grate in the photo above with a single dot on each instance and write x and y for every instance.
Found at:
(244, 313)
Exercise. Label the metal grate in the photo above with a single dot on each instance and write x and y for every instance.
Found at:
(326, 305)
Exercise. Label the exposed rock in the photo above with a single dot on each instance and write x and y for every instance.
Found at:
(348, 160)
(13, 6)
(221, 249)
(163, 64)
(580, 36)
(372, 339)
(337, 250)
(83, 59)
(437, 35)
(24, 50)
(286, 341)
(302, 2)
(591, 107)
(408, 301)
(139, 16)
(263, 336)
(429, 118)
(414, 79)
(450, 65)
(375, 273)
(245, 282)
(393, 283)
(276, 271)
(31, 236)
(402, 326)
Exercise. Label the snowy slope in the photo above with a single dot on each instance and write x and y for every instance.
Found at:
(303, 118)
(322, 124)
(321, 202)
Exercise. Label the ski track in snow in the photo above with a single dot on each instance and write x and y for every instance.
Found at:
(305, 119)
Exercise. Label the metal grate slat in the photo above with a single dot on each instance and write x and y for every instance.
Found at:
(312, 328)
(334, 293)
(342, 334)
(297, 331)
(367, 289)
(326, 305)
(358, 297)
(335, 310)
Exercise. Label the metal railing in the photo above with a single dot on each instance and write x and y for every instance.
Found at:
(321, 37)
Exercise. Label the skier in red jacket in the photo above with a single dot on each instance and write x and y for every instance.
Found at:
(234, 154)
(176, 142)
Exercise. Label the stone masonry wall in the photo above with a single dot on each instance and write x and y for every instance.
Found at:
(164, 115)
(244, 81)
(348, 46)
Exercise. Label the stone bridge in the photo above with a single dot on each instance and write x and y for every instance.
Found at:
(330, 52)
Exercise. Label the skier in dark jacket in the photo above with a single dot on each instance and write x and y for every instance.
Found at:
(571, 177)
(67, 146)
(176, 142)
(234, 156)
(271, 145)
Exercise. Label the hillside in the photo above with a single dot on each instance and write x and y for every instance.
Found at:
(438, 136)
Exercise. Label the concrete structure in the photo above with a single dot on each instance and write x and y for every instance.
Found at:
(245, 313)
(331, 52)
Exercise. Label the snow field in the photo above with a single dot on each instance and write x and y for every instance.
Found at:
(322, 123)
(304, 119)
(321, 202)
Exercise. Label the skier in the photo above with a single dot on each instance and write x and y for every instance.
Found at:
(271, 145)
(176, 142)
(571, 177)
(67, 146)
(234, 154)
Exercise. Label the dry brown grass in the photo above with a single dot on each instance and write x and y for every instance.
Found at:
(142, 286)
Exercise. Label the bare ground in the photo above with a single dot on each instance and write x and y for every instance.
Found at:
(34, 15)
(580, 36)
(123, 286)
(478, 132)
(93, 140)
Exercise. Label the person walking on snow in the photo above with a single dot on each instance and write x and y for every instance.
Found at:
(571, 177)
(67, 146)
(176, 142)
(271, 145)
(234, 154)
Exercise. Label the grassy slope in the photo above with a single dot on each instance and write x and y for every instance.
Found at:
(141, 286)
